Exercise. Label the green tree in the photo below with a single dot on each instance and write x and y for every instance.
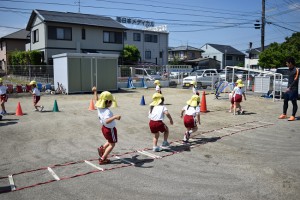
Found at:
(276, 54)
(130, 54)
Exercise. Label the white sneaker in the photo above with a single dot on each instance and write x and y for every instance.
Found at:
(42, 107)
(156, 149)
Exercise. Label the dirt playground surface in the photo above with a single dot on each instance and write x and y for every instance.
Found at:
(250, 156)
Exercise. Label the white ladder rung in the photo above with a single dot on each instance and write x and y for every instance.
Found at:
(91, 164)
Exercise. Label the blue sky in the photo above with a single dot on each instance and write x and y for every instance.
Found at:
(192, 22)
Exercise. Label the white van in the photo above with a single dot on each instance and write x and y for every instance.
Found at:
(147, 74)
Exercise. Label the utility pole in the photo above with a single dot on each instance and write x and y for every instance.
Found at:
(263, 22)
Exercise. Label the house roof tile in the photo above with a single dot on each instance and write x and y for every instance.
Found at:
(74, 18)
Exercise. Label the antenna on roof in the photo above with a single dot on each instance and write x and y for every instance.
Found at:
(78, 2)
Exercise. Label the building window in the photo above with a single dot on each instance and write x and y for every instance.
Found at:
(59, 33)
(150, 38)
(112, 37)
(83, 34)
(238, 58)
(147, 54)
(136, 37)
(160, 54)
(125, 36)
(35, 36)
(228, 57)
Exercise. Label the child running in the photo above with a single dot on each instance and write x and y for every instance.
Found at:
(194, 87)
(107, 119)
(231, 95)
(156, 124)
(3, 97)
(191, 117)
(157, 87)
(237, 96)
(36, 94)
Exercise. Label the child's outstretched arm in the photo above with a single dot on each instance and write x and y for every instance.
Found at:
(94, 89)
(244, 95)
(182, 112)
(109, 120)
(169, 116)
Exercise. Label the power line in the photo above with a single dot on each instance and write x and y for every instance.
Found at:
(175, 8)
(129, 9)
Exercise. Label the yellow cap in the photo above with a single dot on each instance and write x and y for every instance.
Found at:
(157, 82)
(194, 101)
(157, 99)
(104, 96)
(194, 83)
(239, 81)
(32, 83)
(240, 85)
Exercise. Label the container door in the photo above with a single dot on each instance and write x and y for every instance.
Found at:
(86, 74)
(74, 75)
(107, 74)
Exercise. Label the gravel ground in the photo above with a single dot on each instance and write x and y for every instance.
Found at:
(258, 163)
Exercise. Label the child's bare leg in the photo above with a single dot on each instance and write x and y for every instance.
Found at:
(155, 139)
(108, 149)
(166, 134)
(234, 108)
(3, 106)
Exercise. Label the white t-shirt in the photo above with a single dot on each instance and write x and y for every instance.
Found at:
(192, 110)
(36, 92)
(157, 113)
(157, 88)
(237, 90)
(104, 114)
(3, 89)
(194, 90)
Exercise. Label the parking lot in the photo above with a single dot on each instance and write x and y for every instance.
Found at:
(251, 156)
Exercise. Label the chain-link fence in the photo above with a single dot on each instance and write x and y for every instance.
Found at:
(22, 74)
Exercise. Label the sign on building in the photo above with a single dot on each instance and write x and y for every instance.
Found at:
(128, 20)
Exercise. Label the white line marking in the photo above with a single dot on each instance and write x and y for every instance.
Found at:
(53, 174)
(125, 160)
(11, 182)
(168, 148)
(178, 143)
(230, 129)
(149, 154)
(91, 164)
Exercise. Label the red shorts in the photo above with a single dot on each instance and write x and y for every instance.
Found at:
(36, 99)
(157, 126)
(237, 98)
(110, 134)
(3, 98)
(189, 121)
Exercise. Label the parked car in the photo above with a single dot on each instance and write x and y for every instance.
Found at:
(203, 77)
(174, 75)
(147, 74)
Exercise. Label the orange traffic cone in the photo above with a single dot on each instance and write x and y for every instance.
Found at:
(203, 107)
(19, 110)
(92, 105)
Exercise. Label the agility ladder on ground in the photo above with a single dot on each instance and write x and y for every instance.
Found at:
(125, 162)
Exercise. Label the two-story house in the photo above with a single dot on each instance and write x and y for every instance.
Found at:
(227, 55)
(153, 45)
(60, 32)
(64, 32)
(183, 53)
(12, 42)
